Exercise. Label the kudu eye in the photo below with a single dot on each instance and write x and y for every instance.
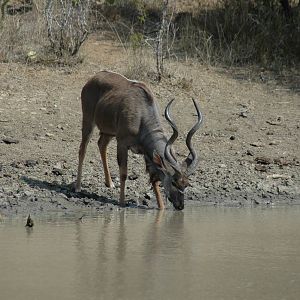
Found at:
(174, 184)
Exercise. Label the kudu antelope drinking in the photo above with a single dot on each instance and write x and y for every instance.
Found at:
(126, 109)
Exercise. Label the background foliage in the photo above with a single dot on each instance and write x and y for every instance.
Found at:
(226, 32)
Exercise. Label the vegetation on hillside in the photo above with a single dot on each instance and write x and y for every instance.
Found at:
(230, 32)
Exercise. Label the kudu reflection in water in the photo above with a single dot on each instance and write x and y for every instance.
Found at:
(121, 243)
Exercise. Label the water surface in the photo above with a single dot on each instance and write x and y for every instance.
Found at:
(200, 253)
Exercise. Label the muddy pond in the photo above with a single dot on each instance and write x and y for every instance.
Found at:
(200, 253)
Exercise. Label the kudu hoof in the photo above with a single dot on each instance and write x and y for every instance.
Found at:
(110, 185)
(76, 189)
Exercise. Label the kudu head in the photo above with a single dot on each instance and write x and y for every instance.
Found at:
(175, 176)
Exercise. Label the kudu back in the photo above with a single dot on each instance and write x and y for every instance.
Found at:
(127, 110)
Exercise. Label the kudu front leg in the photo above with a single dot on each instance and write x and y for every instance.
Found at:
(122, 155)
(86, 136)
(159, 199)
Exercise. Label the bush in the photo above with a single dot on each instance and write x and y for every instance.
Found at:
(22, 36)
(67, 25)
(48, 32)
(241, 32)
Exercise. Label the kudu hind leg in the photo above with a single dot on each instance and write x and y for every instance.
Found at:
(102, 144)
(122, 155)
(86, 136)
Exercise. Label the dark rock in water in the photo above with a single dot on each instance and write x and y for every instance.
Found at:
(146, 203)
(29, 222)
(131, 203)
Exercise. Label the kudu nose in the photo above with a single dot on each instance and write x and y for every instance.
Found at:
(179, 206)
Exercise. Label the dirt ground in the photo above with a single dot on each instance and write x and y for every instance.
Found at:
(248, 144)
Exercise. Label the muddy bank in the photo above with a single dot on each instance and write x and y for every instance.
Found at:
(248, 144)
(42, 186)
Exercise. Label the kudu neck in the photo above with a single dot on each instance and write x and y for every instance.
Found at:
(154, 141)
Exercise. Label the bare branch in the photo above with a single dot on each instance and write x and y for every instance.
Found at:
(67, 24)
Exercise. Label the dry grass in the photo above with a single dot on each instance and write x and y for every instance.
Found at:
(238, 33)
(141, 64)
(227, 32)
(194, 5)
(22, 37)
(26, 35)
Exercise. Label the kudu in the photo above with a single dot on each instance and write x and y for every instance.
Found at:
(126, 109)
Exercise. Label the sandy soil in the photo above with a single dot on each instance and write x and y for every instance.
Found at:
(248, 144)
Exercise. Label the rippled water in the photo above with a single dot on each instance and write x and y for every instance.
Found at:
(201, 253)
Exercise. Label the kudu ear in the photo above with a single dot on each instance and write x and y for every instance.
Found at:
(158, 160)
(163, 164)
(186, 163)
(160, 163)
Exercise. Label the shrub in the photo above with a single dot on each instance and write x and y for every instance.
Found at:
(67, 25)
(241, 32)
